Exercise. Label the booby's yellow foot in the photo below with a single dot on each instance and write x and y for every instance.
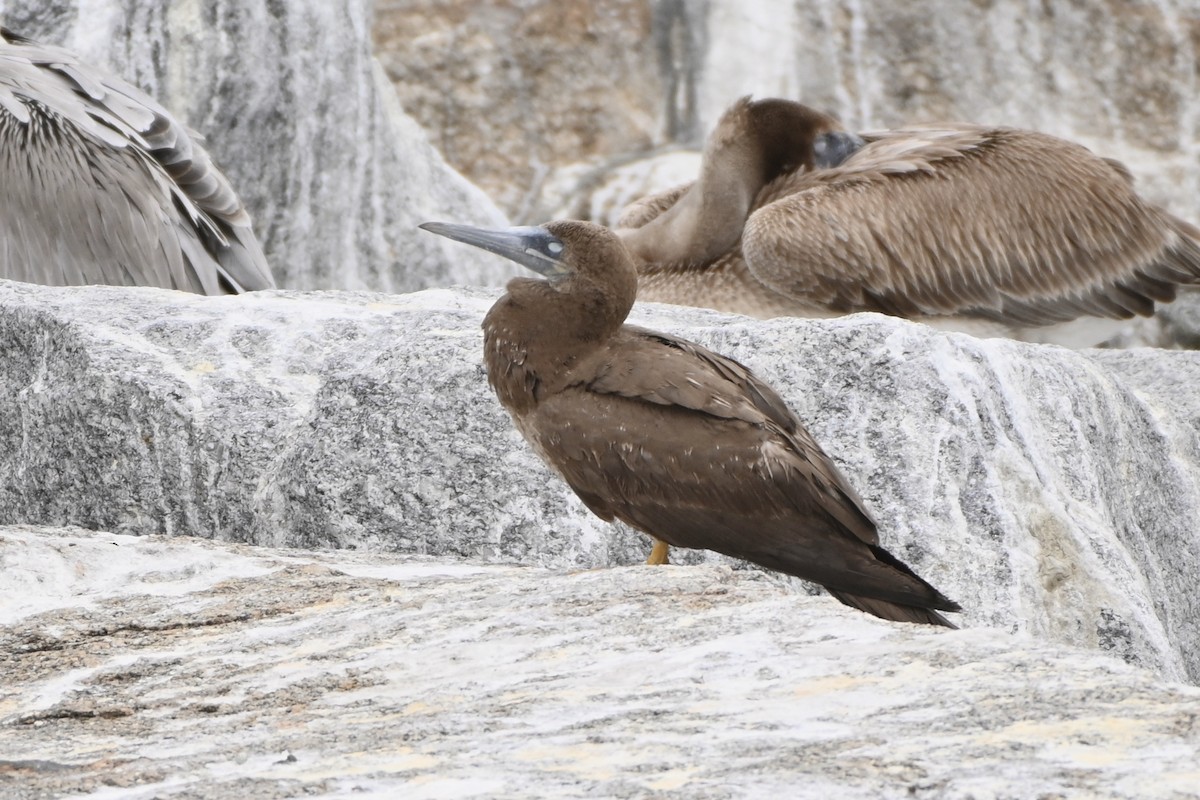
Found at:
(659, 554)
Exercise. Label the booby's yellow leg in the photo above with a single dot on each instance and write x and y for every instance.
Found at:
(659, 554)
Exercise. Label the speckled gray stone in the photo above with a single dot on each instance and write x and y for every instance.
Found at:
(141, 668)
(1051, 492)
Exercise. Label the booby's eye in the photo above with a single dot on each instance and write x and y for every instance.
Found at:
(546, 248)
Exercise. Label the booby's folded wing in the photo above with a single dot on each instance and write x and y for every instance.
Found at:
(697, 481)
(665, 369)
(704, 418)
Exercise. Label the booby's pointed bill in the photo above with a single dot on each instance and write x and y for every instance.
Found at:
(530, 246)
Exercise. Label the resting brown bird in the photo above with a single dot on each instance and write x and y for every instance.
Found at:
(668, 437)
(990, 230)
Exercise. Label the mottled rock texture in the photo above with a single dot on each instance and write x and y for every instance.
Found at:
(142, 667)
(513, 103)
(1051, 492)
(298, 113)
(511, 91)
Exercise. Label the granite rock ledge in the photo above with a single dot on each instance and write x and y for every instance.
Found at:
(1051, 492)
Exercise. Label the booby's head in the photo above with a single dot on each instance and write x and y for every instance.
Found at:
(577, 258)
(540, 327)
(531, 246)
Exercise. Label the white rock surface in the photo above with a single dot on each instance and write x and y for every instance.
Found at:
(177, 668)
(298, 113)
(1051, 492)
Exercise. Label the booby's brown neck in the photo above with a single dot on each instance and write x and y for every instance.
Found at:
(753, 143)
(539, 330)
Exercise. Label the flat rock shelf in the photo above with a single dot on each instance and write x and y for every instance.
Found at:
(162, 667)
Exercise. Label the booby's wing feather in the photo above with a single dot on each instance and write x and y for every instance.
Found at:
(696, 480)
(1006, 224)
(665, 369)
(900, 612)
(716, 414)
(89, 146)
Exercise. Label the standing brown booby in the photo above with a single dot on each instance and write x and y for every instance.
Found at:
(991, 230)
(668, 437)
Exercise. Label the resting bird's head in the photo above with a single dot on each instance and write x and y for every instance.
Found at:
(783, 136)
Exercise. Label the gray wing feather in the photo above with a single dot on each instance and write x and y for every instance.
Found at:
(103, 185)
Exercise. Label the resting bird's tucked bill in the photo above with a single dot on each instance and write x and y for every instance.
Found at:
(677, 441)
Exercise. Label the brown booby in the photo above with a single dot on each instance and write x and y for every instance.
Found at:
(677, 441)
(101, 184)
(985, 229)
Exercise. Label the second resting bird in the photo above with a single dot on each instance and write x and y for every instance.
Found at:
(671, 438)
(990, 230)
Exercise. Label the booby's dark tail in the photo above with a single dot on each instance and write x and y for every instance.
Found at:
(893, 611)
(928, 598)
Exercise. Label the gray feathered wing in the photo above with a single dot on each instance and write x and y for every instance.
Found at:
(102, 185)
(997, 223)
(705, 455)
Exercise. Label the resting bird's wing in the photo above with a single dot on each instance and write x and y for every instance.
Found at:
(138, 196)
(1005, 224)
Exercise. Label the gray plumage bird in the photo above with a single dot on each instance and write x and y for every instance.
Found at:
(984, 229)
(667, 436)
(99, 184)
